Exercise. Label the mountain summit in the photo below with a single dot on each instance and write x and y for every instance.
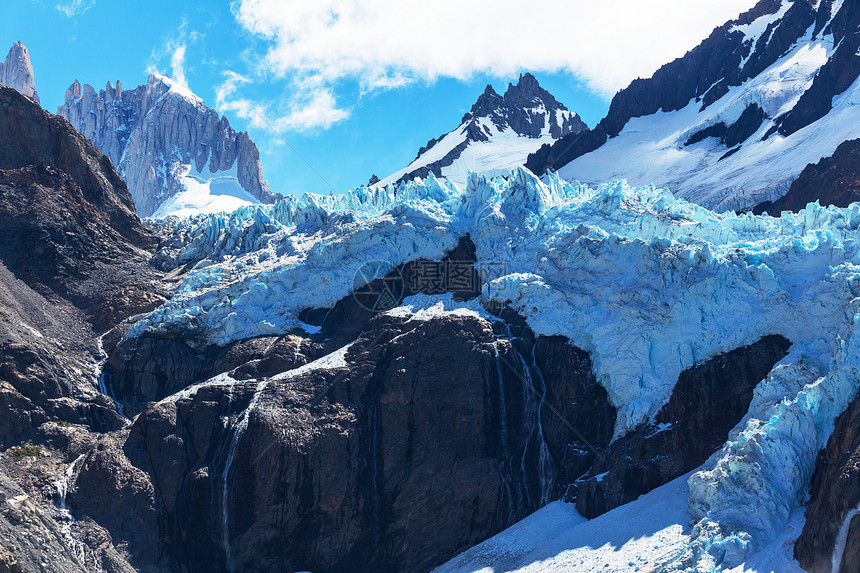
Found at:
(731, 124)
(178, 156)
(16, 71)
(495, 135)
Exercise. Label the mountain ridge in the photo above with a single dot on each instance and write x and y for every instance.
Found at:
(733, 122)
(166, 143)
(509, 125)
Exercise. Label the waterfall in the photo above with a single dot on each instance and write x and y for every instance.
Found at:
(103, 386)
(503, 434)
(62, 484)
(228, 465)
(66, 519)
(533, 399)
(841, 540)
(547, 467)
(520, 463)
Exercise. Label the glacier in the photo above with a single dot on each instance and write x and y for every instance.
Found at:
(647, 283)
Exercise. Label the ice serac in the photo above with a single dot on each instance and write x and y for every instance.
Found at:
(16, 72)
(695, 285)
(732, 123)
(177, 155)
(495, 135)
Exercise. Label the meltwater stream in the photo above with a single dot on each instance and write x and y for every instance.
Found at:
(841, 540)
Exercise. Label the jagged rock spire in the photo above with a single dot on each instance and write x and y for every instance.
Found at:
(17, 71)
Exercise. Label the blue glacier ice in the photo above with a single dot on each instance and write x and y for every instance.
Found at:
(648, 284)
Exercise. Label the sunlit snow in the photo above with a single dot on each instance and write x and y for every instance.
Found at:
(647, 283)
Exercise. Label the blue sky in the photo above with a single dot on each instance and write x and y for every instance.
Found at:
(355, 87)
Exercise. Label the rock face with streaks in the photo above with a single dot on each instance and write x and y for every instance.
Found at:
(159, 133)
(360, 463)
(834, 493)
(707, 402)
(16, 72)
(74, 262)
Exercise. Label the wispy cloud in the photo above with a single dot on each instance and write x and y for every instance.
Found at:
(177, 65)
(384, 44)
(172, 50)
(311, 107)
(75, 7)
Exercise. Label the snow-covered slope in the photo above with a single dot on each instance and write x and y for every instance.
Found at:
(177, 156)
(497, 134)
(647, 283)
(777, 90)
(648, 534)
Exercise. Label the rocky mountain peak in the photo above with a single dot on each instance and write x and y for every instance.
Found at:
(527, 88)
(17, 71)
(512, 125)
(487, 103)
(525, 107)
(163, 139)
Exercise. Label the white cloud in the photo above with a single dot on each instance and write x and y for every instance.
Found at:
(173, 50)
(75, 7)
(177, 65)
(312, 107)
(385, 43)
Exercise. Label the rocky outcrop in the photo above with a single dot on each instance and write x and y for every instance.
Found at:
(156, 133)
(707, 402)
(428, 437)
(16, 72)
(525, 110)
(834, 180)
(833, 495)
(32, 539)
(74, 262)
(72, 256)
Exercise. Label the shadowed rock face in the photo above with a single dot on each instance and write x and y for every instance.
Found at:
(707, 402)
(71, 259)
(834, 180)
(74, 262)
(833, 493)
(430, 437)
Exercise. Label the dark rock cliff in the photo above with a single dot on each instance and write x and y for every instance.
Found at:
(833, 493)
(74, 262)
(834, 180)
(704, 74)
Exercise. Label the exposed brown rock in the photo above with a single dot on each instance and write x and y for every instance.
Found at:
(834, 180)
(706, 403)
